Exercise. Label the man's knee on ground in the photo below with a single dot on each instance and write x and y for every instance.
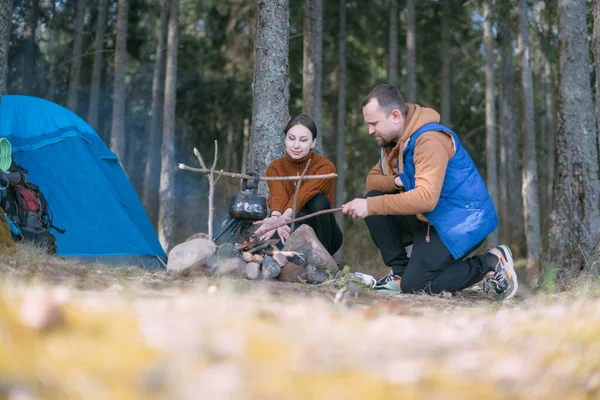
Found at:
(416, 286)
(317, 203)
(408, 285)
(374, 193)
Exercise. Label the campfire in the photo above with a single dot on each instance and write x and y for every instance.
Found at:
(263, 259)
(302, 259)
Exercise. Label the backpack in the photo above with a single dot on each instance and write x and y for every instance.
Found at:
(26, 207)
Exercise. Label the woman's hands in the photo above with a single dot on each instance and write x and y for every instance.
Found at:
(266, 231)
(284, 231)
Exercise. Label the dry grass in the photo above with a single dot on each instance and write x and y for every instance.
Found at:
(127, 334)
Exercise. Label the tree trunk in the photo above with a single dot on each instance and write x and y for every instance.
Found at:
(245, 146)
(503, 210)
(596, 48)
(312, 72)
(530, 182)
(5, 22)
(393, 43)
(166, 214)
(92, 118)
(491, 143)
(543, 66)
(51, 91)
(153, 161)
(72, 98)
(270, 92)
(576, 189)
(446, 63)
(411, 77)
(341, 117)
(546, 132)
(549, 134)
(117, 132)
(237, 144)
(29, 81)
(229, 148)
(513, 224)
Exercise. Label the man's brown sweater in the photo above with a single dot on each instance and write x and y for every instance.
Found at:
(433, 150)
(281, 195)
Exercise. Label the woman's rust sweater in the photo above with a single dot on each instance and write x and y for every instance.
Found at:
(281, 195)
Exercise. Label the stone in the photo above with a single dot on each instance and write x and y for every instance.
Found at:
(234, 266)
(270, 268)
(200, 235)
(257, 259)
(212, 264)
(319, 264)
(252, 271)
(191, 254)
(247, 256)
(280, 258)
(228, 250)
(290, 272)
(300, 258)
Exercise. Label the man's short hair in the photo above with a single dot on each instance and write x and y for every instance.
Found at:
(389, 98)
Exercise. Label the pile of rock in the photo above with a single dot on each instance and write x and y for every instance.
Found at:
(303, 258)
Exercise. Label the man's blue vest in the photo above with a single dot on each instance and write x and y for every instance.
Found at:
(464, 215)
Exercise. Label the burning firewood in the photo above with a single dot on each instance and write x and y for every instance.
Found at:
(256, 246)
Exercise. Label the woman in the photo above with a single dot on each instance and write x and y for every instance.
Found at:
(314, 194)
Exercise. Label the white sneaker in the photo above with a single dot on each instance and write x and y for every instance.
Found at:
(389, 282)
(503, 276)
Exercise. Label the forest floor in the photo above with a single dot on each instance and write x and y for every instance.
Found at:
(70, 330)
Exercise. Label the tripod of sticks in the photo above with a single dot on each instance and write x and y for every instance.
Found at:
(211, 172)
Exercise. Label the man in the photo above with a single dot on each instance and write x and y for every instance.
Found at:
(426, 187)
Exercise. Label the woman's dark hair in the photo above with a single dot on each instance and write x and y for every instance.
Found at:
(303, 120)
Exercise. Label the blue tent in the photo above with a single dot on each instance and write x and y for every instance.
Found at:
(88, 192)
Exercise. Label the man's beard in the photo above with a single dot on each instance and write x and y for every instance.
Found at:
(382, 142)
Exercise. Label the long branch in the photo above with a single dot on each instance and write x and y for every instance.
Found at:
(262, 178)
(211, 186)
(298, 184)
(307, 216)
(211, 193)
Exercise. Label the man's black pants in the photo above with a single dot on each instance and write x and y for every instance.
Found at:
(431, 267)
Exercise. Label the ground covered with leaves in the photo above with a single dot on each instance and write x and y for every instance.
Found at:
(70, 330)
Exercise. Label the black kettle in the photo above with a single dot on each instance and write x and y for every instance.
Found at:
(247, 205)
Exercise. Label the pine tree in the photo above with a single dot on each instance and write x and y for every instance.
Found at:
(271, 91)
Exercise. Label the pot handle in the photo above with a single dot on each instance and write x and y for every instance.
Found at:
(252, 186)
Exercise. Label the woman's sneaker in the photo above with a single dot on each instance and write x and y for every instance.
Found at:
(503, 275)
(389, 282)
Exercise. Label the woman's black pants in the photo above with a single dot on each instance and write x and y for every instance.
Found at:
(325, 226)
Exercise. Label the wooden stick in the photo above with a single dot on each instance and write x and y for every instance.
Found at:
(200, 159)
(251, 245)
(332, 210)
(268, 243)
(262, 178)
(211, 186)
(298, 184)
(211, 192)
